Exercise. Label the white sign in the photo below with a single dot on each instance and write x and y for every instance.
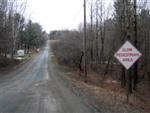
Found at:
(127, 55)
(20, 53)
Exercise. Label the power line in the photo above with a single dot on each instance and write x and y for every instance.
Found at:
(77, 15)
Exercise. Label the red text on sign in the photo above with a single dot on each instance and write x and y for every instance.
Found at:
(127, 60)
(127, 54)
(126, 49)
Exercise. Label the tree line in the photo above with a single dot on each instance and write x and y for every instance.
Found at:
(15, 31)
(106, 32)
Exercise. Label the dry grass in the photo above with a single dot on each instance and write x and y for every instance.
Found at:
(109, 93)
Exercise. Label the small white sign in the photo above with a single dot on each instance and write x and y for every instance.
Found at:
(20, 53)
(127, 55)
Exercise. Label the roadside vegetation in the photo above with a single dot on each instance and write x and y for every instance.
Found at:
(105, 35)
(16, 32)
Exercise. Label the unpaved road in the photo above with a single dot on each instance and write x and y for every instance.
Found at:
(36, 88)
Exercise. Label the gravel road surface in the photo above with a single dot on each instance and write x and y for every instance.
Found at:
(36, 87)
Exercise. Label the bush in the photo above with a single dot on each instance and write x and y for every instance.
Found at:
(68, 47)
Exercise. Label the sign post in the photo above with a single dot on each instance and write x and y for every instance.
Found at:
(127, 55)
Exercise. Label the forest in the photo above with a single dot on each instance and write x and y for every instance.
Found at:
(106, 30)
(16, 32)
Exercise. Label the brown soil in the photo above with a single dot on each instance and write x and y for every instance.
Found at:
(108, 91)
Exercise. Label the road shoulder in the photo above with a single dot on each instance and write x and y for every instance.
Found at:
(98, 98)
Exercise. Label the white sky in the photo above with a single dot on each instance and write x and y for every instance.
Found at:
(56, 14)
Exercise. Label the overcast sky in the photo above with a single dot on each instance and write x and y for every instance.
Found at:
(56, 14)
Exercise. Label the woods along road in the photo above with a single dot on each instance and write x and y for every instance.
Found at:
(35, 87)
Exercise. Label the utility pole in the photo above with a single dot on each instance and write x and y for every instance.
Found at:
(84, 44)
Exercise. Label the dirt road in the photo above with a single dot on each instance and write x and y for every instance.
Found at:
(36, 88)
